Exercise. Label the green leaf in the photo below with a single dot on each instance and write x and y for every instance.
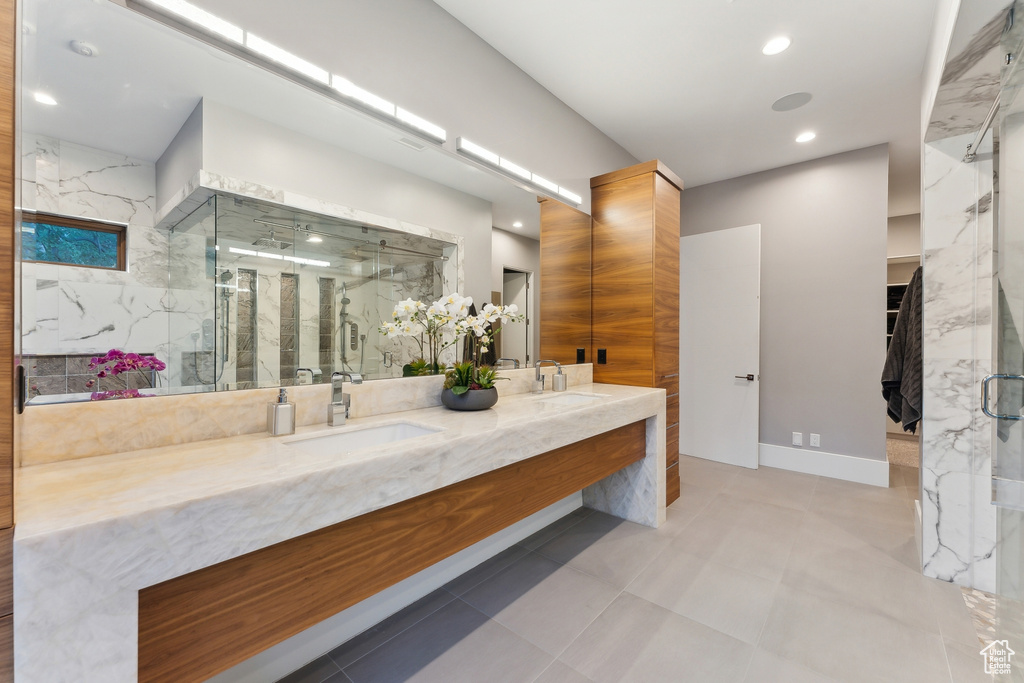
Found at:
(459, 391)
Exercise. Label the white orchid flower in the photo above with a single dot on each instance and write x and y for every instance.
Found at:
(407, 307)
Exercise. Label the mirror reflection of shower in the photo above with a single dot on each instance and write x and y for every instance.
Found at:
(216, 342)
(264, 290)
(351, 342)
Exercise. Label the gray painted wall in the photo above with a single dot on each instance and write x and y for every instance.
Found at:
(904, 235)
(182, 158)
(519, 253)
(823, 273)
(244, 147)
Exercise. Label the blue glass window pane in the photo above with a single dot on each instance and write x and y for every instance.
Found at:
(75, 246)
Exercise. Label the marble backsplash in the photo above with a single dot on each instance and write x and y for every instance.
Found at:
(67, 431)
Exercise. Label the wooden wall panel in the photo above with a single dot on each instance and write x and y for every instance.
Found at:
(636, 265)
(623, 300)
(197, 625)
(7, 271)
(666, 278)
(564, 282)
(6, 571)
(6, 649)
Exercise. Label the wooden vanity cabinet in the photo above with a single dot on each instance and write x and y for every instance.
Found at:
(635, 288)
(564, 283)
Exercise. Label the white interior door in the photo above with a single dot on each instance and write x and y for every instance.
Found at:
(515, 336)
(719, 341)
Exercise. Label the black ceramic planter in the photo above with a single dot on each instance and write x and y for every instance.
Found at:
(474, 399)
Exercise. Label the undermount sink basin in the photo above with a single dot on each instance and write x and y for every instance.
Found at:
(574, 399)
(356, 439)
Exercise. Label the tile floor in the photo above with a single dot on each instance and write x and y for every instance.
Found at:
(757, 576)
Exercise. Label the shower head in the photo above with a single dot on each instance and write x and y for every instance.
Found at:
(226, 276)
(271, 242)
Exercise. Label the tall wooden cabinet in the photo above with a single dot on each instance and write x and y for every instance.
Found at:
(564, 283)
(635, 287)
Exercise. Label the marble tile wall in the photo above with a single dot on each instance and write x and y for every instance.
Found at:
(69, 310)
(958, 519)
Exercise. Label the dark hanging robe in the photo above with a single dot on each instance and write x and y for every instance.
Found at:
(902, 374)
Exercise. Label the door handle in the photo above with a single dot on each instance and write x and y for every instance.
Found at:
(750, 378)
(985, 395)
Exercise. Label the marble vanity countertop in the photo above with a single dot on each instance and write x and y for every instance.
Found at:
(91, 533)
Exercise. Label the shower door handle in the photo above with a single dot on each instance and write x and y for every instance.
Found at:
(985, 396)
(749, 378)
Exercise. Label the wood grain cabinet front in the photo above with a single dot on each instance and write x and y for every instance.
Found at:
(635, 285)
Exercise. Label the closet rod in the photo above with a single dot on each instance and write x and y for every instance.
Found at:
(985, 125)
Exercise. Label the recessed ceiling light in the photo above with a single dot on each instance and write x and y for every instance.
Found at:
(43, 98)
(775, 45)
(792, 101)
(805, 137)
(314, 239)
(517, 224)
(83, 48)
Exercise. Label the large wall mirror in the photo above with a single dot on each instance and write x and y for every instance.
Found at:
(231, 267)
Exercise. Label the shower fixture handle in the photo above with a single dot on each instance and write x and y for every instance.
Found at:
(985, 396)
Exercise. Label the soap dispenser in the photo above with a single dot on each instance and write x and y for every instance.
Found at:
(281, 415)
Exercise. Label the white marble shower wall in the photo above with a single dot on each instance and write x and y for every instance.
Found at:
(958, 519)
(74, 310)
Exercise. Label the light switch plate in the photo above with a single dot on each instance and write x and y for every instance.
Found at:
(798, 438)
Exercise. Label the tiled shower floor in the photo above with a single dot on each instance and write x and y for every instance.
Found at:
(758, 575)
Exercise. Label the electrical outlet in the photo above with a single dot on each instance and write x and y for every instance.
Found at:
(815, 440)
(798, 438)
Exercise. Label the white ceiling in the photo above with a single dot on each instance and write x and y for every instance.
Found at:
(685, 81)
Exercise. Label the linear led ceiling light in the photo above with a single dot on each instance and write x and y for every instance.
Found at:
(202, 19)
(280, 257)
(421, 124)
(217, 32)
(286, 59)
(353, 91)
(506, 167)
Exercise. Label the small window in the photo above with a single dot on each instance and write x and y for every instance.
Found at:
(72, 241)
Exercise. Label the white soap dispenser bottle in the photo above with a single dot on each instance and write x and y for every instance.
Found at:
(281, 415)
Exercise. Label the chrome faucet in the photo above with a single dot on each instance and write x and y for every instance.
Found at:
(515, 362)
(538, 382)
(298, 375)
(337, 411)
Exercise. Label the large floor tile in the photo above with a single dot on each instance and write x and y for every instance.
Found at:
(850, 643)
(545, 602)
(691, 502)
(768, 668)
(317, 671)
(952, 615)
(893, 537)
(857, 574)
(706, 474)
(752, 548)
(374, 637)
(635, 640)
(775, 486)
(712, 594)
(485, 570)
(607, 548)
(560, 672)
(966, 665)
(456, 644)
(555, 528)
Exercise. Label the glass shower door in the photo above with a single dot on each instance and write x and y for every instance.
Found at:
(1005, 389)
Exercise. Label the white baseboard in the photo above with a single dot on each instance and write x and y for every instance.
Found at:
(834, 465)
(283, 658)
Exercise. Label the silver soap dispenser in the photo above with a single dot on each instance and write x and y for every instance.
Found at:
(281, 416)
